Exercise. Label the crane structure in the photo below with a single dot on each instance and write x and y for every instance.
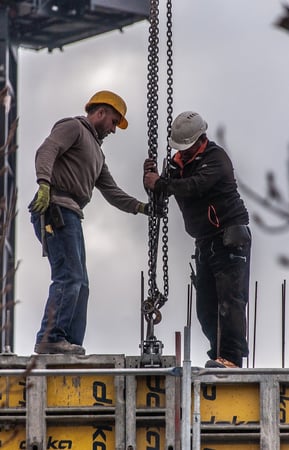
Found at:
(36, 25)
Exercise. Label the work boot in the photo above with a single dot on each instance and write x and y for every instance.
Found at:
(220, 363)
(62, 347)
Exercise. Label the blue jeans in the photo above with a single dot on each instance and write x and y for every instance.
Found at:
(66, 308)
(222, 291)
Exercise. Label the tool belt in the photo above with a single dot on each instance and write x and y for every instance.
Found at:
(236, 236)
(56, 216)
(58, 192)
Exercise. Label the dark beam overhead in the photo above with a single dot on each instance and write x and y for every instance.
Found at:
(38, 24)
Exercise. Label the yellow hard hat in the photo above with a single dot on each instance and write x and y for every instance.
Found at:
(112, 99)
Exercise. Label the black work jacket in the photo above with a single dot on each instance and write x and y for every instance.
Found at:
(206, 192)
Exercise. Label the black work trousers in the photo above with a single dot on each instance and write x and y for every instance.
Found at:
(222, 291)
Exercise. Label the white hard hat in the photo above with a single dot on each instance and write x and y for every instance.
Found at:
(186, 130)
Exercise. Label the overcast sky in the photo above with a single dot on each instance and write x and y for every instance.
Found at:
(231, 65)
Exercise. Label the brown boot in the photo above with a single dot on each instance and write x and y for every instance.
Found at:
(221, 363)
(61, 347)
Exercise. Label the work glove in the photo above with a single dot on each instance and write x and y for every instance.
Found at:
(159, 210)
(143, 208)
(42, 199)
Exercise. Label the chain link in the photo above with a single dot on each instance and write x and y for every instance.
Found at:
(168, 154)
(152, 123)
(155, 299)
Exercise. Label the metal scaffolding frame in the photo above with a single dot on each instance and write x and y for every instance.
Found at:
(8, 115)
(41, 391)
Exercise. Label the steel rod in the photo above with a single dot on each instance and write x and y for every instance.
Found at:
(186, 391)
(255, 322)
(174, 371)
(141, 310)
(178, 393)
(283, 322)
(248, 330)
(197, 416)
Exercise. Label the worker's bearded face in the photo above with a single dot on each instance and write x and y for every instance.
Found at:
(107, 123)
(102, 131)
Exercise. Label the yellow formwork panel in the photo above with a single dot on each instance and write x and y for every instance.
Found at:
(12, 392)
(230, 446)
(76, 437)
(81, 437)
(151, 392)
(233, 404)
(14, 438)
(150, 437)
(76, 391)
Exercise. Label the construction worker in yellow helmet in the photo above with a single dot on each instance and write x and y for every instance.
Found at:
(69, 164)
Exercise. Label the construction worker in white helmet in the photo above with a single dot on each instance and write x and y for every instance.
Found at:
(203, 184)
(69, 164)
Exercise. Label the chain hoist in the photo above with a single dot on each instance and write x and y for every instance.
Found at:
(151, 306)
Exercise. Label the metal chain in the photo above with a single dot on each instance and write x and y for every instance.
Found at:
(152, 115)
(156, 300)
(168, 154)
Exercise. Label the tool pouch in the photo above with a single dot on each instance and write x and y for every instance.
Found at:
(56, 216)
(236, 236)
